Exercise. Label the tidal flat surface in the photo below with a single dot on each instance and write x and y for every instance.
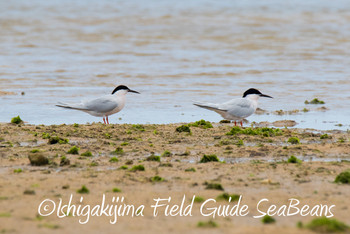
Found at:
(174, 54)
(145, 162)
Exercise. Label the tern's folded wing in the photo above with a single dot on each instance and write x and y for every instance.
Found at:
(101, 105)
(238, 107)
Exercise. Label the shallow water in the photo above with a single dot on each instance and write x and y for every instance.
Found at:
(175, 53)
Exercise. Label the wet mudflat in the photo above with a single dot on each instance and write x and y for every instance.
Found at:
(145, 162)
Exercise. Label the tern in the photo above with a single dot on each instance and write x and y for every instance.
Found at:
(236, 109)
(103, 106)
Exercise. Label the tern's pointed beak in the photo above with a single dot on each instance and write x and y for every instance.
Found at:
(133, 91)
(264, 95)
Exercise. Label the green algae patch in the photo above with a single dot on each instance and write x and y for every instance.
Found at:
(201, 124)
(192, 169)
(198, 199)
(55, 139)
(327, 225)
(183, 128)
(214, 186)
(293, 159)
(124, 167)
(268, 219)
(138, 127)
(294, 140)
(73, 150)
(156, 179)
(343, 177)
(325, 136)
(153, 157)
(18, 170)
(86, 154)
(118, 151)
(209, 158)
(116, 190)
(166, 153)
(314, 101)
(138, 168)
(266, 132)
(226, 197)
(83, 190)
(29, 192)
(208, 224)
(45, 135)
(49, 226)
(113, 160)
(16, 120)
(5, 215)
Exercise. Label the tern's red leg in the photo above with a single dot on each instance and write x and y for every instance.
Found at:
(107, 119)
(242, 124)
(104, 120)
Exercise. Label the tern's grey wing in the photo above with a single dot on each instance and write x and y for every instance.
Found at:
(101, 105)
(240, 107)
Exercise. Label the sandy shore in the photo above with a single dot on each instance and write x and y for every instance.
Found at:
(253, 166)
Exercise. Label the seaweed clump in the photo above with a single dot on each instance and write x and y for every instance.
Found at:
(153, 157)
(16, 120)
(209, 224)
(268, 219)
(116, 190)
(294, 140)
(201, 124)
(138, 127)
(209, 158)
(113, 159)
(167, 153)
(86, 154)
(73, 150)
(183, 128)
(343, 177)
(156, 179)
(83, 190)
(56, 139)
(138, 168)
(325, 136)
(266, 132)
(314, 101)
(214, 186)
(226, 196)
(327, 225)
(293, 159)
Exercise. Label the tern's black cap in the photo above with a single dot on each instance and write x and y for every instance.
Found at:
(123, 87)
(255, 91)
(251, 91)
(120, 87)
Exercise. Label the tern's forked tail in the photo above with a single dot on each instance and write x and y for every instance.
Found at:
(209, 106)
(70, 106)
